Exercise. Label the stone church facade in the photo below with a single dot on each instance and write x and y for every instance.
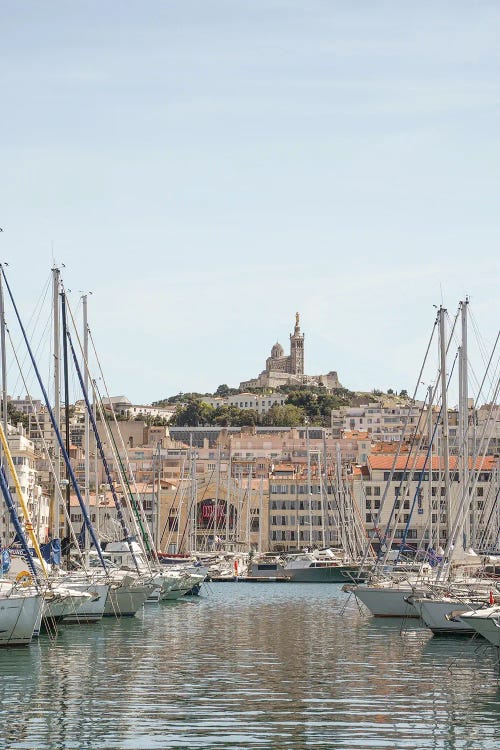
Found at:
(289, 370)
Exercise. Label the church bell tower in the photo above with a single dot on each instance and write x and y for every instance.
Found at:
(297, 349)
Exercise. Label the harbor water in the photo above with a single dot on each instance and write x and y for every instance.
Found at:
(247, 665)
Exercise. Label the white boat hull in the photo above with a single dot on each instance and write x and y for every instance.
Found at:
(386, 602)
(125, 601)
(438, 615)
(18, 617)
(486, 622)
(63, 604)
(93, 609)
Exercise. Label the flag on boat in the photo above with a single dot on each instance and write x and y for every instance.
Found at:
(5, 561)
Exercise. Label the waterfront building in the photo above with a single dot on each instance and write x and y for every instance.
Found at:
(24, 459)
(414, 502)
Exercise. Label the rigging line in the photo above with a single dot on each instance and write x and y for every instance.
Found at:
(194, 501)
(57, 486)
(137, 510)
(54, 424)
(481, 342)
(38, 313)
(38, 349)
(138, 516)
(182, 488)
(119, 511)
(398, 452)
(488, 365)
(170, 509)
(470, 367)
(448, 345)
(404, 483)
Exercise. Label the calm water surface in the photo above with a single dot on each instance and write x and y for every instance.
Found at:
(250, 666)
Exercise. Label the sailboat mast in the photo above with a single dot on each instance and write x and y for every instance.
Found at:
(444, 422)
(228, 497)
(66, 421)
(156, 537)
(86, 434)
(4, 358)
(464, 437)
(261, 493)
(57, 403)
(309, 488)
(431, 502)
(4, 386)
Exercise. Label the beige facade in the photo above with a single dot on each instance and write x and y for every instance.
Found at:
(414, 504)
(24, 459)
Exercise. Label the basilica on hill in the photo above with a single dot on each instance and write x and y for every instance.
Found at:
(284, 369)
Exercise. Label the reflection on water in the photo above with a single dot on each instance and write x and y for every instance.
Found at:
(250, 666)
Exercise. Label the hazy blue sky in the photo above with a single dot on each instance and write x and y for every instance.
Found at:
(208, 168)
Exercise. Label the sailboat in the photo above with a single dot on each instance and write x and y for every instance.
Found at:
(411, 595)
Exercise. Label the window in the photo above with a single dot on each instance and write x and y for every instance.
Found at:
(368, 490)
(376, 491)
(369, 518)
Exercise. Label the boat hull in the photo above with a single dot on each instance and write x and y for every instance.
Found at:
(439, 615)
(18, 618)
(485, 622)
(125, 601)
(331, 574)
(92, 610)
(63, 604)
(386, 602)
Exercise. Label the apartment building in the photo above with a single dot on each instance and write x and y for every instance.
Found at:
(24, 459)
(413, 505)
(261, 403)
(382, 422)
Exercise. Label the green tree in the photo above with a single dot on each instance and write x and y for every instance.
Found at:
(195, 413)
(287, 415)
(225, 390)
(14, 416)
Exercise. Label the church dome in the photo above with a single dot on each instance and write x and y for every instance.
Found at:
(277, 351)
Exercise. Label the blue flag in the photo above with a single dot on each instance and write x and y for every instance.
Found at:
(5, 561)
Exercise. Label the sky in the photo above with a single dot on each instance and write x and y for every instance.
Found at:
(206, 168)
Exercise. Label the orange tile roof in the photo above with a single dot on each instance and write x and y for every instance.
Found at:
(392, 447)
(356, 435)
(284, 467)
(410, 463)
